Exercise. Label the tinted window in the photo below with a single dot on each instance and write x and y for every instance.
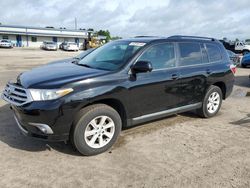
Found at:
(213, 52)
(161, 56)
(204, 54)
(190, 54)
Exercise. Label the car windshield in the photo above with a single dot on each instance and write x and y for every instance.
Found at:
(111, 56)
(49, 43)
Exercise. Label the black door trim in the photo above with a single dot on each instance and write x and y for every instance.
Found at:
(164, 113)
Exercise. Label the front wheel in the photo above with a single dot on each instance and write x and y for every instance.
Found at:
(95, 129)
(211, 103)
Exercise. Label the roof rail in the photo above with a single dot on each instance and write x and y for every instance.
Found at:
(190, 37)
(144, 36)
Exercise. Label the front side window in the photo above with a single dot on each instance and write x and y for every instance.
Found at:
(161, 56)
(111, 56)
(213, 52)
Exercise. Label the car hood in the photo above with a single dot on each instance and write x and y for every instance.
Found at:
(69, 60)
(56, 75)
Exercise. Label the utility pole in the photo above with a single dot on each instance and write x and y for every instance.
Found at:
(75, 24)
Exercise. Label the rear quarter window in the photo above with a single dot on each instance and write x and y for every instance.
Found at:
(214, 53)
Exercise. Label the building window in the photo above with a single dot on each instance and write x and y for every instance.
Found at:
(5, 37)
(34, 39)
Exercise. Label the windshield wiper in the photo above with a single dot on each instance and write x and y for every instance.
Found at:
(85, 65)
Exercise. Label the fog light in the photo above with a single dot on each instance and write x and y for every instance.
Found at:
(42, 127)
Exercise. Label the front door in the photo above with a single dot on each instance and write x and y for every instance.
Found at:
(54, 39)
(19, 41)
(158, 90)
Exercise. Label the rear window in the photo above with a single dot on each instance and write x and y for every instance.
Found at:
(190, 54)
(213, 52)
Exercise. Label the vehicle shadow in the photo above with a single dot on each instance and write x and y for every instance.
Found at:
(243, 81)
(244, 122)
(12, 136)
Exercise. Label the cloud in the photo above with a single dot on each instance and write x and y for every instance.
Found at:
(126, 18)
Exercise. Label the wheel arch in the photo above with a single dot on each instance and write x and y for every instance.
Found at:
(223, 88)
(115, 104)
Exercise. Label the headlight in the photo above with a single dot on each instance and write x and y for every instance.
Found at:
(48, 94)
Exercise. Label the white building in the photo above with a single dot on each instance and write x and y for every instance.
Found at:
(24, 36)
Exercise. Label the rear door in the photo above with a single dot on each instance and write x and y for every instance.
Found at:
(193, 68)
(157, 90)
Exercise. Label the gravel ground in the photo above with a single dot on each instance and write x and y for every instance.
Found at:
(179, 151)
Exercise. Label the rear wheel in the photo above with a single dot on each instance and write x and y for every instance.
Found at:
(95, 129)
(211, 103)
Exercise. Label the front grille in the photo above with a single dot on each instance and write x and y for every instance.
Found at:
(16, 95)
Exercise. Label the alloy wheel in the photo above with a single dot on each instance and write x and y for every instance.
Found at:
(213, 102)
(99, 132)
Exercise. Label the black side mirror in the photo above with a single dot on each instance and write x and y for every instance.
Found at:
(141, 66)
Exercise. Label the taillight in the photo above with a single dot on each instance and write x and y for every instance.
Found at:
(233, 68)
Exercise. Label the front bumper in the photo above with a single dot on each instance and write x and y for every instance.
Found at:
(50, 120)
(50, 48)
(27, 132)
(71, 49)
(5, 46)
(45, 120)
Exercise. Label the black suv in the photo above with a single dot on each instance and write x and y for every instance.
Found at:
(118, 85)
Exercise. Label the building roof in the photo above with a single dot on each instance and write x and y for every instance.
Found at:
(39, 31)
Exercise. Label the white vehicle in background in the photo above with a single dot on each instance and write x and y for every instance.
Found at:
(49, 45)
(6, 44)
(241, 47)
(70, 46)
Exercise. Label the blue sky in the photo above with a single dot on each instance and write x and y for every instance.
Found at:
(126, 18)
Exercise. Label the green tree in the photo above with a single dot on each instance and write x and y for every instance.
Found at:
(116, 38)
(105, 33)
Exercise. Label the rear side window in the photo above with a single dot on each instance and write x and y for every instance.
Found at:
(161, 56)
(213, 52)
(190, 54)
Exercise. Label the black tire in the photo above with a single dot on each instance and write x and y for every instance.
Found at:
(243, 66)
(203, 111)
(84, 117)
